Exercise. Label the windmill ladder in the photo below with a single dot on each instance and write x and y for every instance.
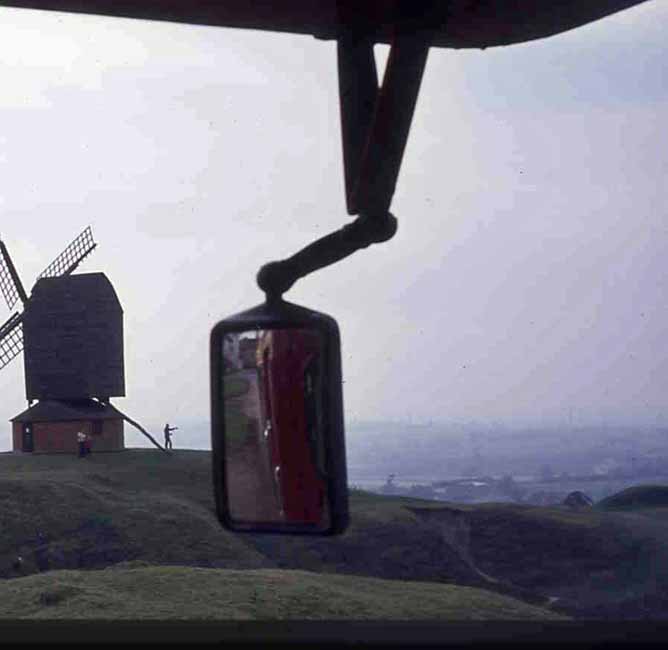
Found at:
(141, 428)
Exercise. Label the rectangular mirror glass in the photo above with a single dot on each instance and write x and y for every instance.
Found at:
(273, 408)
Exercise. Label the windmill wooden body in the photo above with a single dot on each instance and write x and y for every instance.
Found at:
(71, 334)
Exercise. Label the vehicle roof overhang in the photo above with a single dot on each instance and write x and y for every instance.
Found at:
(453, 23)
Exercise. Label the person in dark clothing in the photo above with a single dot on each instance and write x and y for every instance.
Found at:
(168, 435)
(17, 565)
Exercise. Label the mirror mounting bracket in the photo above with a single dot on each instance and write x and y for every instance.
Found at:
(276, 278)
(375, 123)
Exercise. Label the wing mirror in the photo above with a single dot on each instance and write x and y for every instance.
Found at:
(277, 422)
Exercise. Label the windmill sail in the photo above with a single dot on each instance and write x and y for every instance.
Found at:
(71, 257)
(10, 284)
(11, 339)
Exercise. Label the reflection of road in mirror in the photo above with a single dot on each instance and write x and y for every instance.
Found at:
(249, 482)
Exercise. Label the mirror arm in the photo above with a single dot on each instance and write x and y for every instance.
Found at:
(381, 157)
(374, 135)
(358, 97)
(276, 278)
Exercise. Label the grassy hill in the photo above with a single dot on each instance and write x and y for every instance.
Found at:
(66, 516)
(184, 593)
(640, 496)
(107, 508)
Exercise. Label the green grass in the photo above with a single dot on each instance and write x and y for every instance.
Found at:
(181, 593)
(235, 386)
(146, 507)
(636, 497)
(237, 427)
(133, 505)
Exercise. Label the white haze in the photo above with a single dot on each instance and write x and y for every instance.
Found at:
(527, 282)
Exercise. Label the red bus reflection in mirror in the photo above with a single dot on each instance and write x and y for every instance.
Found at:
(273, 410)
(288, 364)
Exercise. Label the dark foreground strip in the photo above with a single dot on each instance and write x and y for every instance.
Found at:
(336, 633)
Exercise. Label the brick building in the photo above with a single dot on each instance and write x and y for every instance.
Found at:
(51, 426)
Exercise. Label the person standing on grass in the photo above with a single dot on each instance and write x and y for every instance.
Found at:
(168, 435)
(81, 440)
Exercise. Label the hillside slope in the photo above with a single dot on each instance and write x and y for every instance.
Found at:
(636, 497)
(61, 512)
(180, 593)
(108, 508)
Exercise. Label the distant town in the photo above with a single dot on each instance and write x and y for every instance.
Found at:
(533, 466)
(532, 491)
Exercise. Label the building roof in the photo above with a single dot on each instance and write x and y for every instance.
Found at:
(57, 411)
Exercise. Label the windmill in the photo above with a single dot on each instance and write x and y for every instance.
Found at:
(11, 333)
(71, 333)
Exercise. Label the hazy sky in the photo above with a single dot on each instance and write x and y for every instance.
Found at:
(528, 276)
